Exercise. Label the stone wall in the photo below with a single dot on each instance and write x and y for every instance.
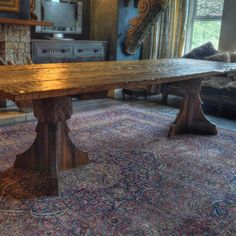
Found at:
(15, 47)
(15, 43)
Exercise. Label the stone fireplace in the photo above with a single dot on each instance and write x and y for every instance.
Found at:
(14, 47)
(15, 43)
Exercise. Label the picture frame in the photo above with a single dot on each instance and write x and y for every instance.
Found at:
(9, 5)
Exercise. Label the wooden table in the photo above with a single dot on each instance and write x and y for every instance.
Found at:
(50, 87)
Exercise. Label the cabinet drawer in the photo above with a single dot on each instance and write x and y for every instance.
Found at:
(54, 51)
(46, 51)
(90, 51)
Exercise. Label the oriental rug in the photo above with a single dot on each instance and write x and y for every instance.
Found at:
(139, 182)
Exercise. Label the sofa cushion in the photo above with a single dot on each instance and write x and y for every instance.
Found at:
(233, 57)
(201, 52)
(222, 56)
(220, 85)
(231, 89)
(218, 82)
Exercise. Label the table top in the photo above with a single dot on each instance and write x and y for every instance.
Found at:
(27, 82)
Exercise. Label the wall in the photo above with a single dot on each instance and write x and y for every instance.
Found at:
(24, 12)
(15, 40)
(228, 28)
(110, 22)
(104, 16)
(125, 14)
(15, 43)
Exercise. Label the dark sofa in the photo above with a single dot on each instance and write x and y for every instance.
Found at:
(218, 93)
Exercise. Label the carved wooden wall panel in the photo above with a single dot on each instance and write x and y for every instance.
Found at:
(149, 10)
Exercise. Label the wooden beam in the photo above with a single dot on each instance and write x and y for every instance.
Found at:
(149, 10)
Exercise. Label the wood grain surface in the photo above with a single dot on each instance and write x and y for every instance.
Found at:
(29, 82)
(52, 149)
(24, 22)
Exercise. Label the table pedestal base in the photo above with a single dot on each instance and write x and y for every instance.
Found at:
(191, 118)
(52, 149)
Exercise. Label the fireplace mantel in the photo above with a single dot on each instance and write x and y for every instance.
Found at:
(24, 22)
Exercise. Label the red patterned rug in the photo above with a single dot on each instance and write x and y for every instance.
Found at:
(138, 182)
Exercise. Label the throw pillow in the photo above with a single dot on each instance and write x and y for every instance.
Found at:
(222, 56)
(201, 52)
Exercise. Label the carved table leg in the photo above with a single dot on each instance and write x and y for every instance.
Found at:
(191, 118)
(52, 149)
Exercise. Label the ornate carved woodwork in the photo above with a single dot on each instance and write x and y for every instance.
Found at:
(32, 10)
(191, 118)
(149, 10)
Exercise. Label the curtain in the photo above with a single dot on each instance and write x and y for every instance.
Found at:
(150, 43)
(167, 37)
(149, 51)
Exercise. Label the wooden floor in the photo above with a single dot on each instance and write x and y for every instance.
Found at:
(11, 116)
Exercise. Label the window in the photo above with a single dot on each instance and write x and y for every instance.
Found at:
(204, 22)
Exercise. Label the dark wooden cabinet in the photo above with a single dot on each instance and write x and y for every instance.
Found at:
(53, 51)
